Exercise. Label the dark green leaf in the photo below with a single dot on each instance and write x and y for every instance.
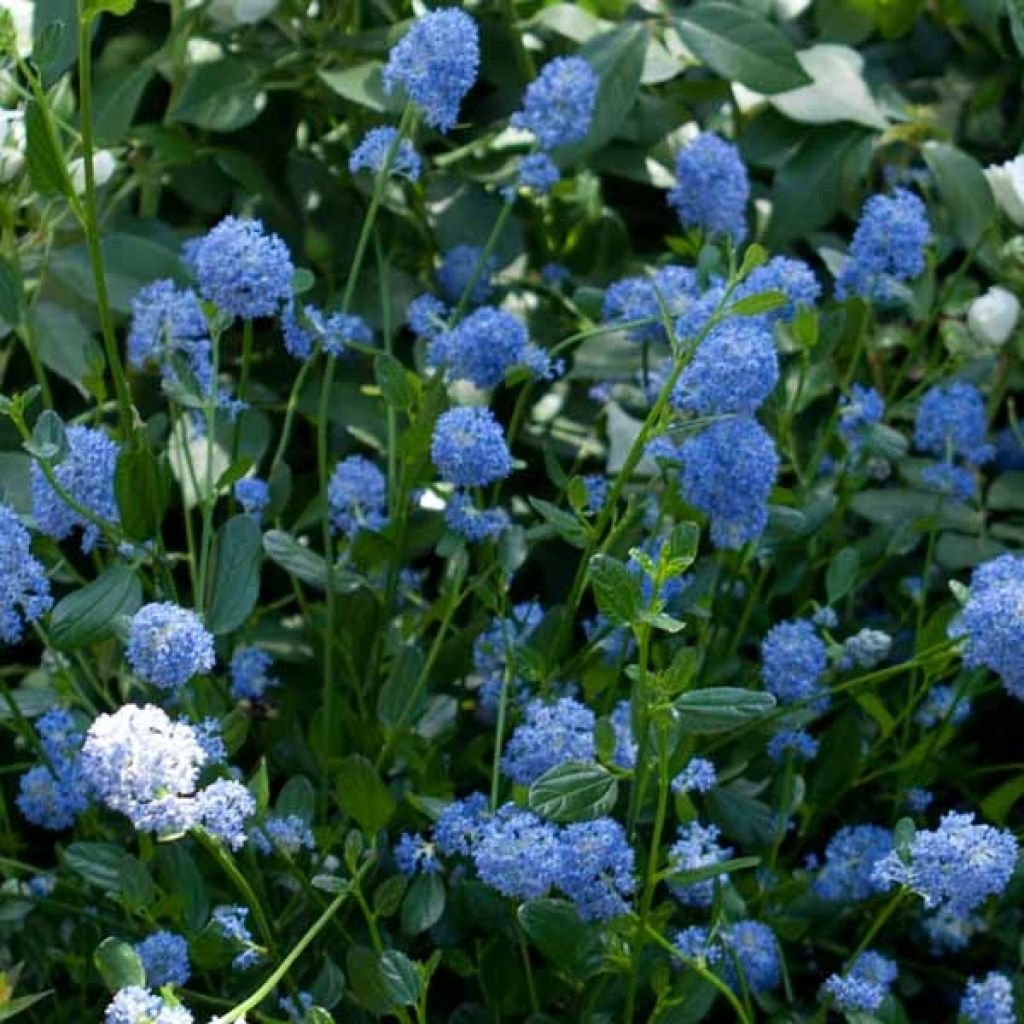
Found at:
(100, 864)
(397, 385)
(67, 347)
(617, 591)
(220, 96)
(742, 46)
(47, 167)
(117, 98)
(723, 867)
(298, 798)
(423, 904)
(361, 84)
(49, 440)
(362, 794)
(119, 965)
(755, 305)
(367, 984)
(142, 490)
(399, 977)
(965, 190)
(92, 613)
(565, 524)
(395, 700)
(556, 929)
(15, 1006)
(842, 574)
(721, 708)
(575, 791)
(329, 985)
(10, 293)
(304, 564)
(235, 586)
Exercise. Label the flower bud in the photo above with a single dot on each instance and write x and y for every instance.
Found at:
(1007, 181)
(241, 12)
(103, 167)
(993, 316)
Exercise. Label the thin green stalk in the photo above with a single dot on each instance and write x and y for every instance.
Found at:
(499, 726)
(261, 993)
(209, 499)
(327, 687)
(289, 412)
(384, 279)
(92, 231)
(481, 263)
(243, 384)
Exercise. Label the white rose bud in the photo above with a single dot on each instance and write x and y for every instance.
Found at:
(993, 316)
(103, 166)
(1007, 181)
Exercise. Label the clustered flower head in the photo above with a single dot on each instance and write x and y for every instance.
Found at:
(24, 586)
(435, 63)
(696, 847)
(847, 875)
(357, 496)
(793, 278)
(51, 794)
(250, 673)
(712, 188)
(137, 1005)
(524, 857)
(372, 153)
(86, 474)
(164, 956)
(992, 623)
(858, 413)
(168, 645)
(662, 296)
(888, 246)
(243, 270)
(728, 472)
(253, 494)
(989, 1000)
(473, 524)
(794, 659)
(551, 734)
(955, 867)
(744, 948)
(484, 347)
(863, 988)
(559, 102)
(139, 762)
(469, 448)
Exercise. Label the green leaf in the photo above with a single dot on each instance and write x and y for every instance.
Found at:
(723, 867)
(755, 305)
(842, 574)
(1007, 491)
(67, 347)
(721, 708)
(299, 561)
(298, 798)
(49, 441)
(387, 897)
(117, 98)
(997, 805)
(399, 387)
(393, 701)
(329, 985)
(13, 1007)
(10, 293)
(219, 96)
(100, 864)
(423, 904)
(235, 586)
(362, 84)
(400, 978)
(618, 592)
(575, 791)
(556, 929)
(902, 507)
(119, 965)
(742, 46)
(617, 58)
(92, 613)
(964, 189)
(565, 524)
(92, 8)
(142, 490)
(47, 167)
(362, 794)
(364, 976)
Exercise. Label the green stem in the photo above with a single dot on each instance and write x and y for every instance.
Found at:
(327, 687)
(289, 413)
(92, 231)
(243, 385)
(209, 499)
(261, 993)
(481, 263)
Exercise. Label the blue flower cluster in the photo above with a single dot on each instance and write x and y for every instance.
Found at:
(859, 411)
(661, 297)
(52, 794)
(231, 922)
(699, 776)
(253, 494)
(746, 950)
(250, 673)
(458, 268)
(888, 246)
(728, 473)
(86, 474)
(696, 848)
(551, 734)
(955, 867)
(793, 662)
(847, 875)
(484, 347)
(287, 834)
(164, 957)
(137, 1005)
(863, 988)
(989, 1000)
(24, 586)
(243, 270)
(469, 448)
(357, 496)
(463, 517)
(991, 621)
(559, 104)
(168, 645)
(435, 64)
(712, 188)
(377, 145)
